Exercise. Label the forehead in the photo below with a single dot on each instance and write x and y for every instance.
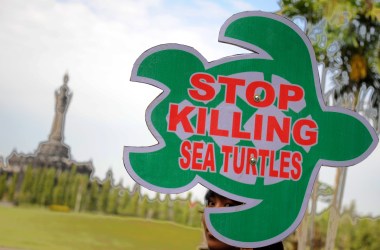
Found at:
(213, 196)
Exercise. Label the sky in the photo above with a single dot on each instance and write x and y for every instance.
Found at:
(97, 42)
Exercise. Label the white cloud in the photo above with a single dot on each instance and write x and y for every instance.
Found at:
(97, 42)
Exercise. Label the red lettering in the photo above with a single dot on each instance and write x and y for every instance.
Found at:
(251, 153)
(283, 133)
(309, 137)
(231, 84)
(289, 93)
(297, 166)
(209, 161)
(236, 123)
(239, 166)
(194, 156)
(201, 121)
(204, 91)
(184, 161)
(226, 150)
(272, 172)
(269, 98)
(258, 128)
(181, 117)
(196, 165)
(214, 122)
(263, 154)
(284, 164)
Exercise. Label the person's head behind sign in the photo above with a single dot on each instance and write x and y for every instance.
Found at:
(213, 199)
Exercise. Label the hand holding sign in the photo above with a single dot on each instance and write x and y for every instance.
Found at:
(252, 127)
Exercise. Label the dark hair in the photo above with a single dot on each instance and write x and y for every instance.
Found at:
(208, 195)
(275, 246)
(211, 193)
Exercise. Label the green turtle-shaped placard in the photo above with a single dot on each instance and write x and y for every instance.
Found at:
(252, 127)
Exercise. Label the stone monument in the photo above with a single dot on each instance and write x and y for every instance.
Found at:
(53, 152)
(55, 147)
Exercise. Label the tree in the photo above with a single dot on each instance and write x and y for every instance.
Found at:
(186, 216)
(345, 37)
(105, 191)
(60, 189)
(92, 196)
(133, 204)
(48, 186)
(73, 190)
(72, 186)
(178, 208)
(26, 186)
(82, 191)
(37, 187)
(195, 214)
(366, 235)
(12, 196)
(3, 185)
(124, 200)
(154, 207)
(164, 208)
(113, 200)
(143, 206)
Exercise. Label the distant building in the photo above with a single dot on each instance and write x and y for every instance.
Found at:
(53, 152)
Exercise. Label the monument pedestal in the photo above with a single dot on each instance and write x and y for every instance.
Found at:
(53, 148)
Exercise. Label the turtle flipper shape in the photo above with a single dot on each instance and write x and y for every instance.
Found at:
(305, 133)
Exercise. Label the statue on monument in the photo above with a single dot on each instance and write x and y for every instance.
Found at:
(53, 152)
(55, 147)
(62, 100)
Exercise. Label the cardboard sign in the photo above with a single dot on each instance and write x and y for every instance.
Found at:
(252, 127)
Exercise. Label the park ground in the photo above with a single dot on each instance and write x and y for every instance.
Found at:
(41, 229)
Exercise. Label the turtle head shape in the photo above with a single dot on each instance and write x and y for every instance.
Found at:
(252, 127)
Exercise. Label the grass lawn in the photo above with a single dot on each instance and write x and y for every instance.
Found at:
(31, 228)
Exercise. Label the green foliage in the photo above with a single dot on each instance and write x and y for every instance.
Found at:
(113, 201)
(143, 207)
(155, 207)
(133, 204)
(124, 200)
(59, 191)
(312, 10)
(25, 192)
(353, 232)
(370, 239)
(195, 214)
(105, 188)
(82, 191)
(92, 197)
(73, 191)
(47, 187)
(164, 208)
(3, 185)
(36, 189)
(180, 206)
(345, 36)
(12, 195)
(72, 187)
